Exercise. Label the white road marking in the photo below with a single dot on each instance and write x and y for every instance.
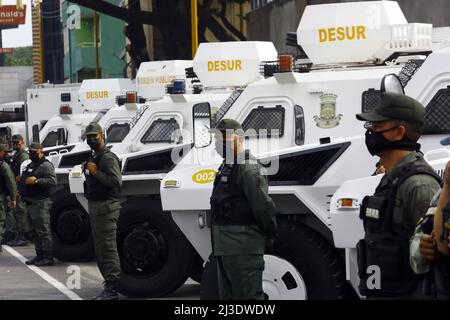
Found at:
(44, 275)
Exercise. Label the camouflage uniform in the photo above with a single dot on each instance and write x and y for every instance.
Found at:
(102, 192)
(7, 189)
(38, 203)
(243, 217)
(401, 198)
(20, 212)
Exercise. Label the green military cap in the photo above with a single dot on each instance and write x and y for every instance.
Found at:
(4, 147)
(394, 106)
(34, 146)
(93, 128)
(17, 138)
(228, 124)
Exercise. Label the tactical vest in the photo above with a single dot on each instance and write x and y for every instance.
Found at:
(93, 188)
(381, 247)
(15, 163)
(229, 206)
(33, 191)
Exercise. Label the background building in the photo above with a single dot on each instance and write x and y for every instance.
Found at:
(80, 58)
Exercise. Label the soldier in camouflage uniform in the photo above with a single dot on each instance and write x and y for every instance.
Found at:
(20, 213)
(243, 217)
(102, 187)
(10, 222)
(35, 186)
(402, 196)
(7, 188)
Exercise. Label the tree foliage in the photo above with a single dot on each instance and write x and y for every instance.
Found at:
(21, 56)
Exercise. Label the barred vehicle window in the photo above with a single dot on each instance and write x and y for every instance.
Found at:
(266, 119)
(117, 132)
(161, 130)
(437, 113)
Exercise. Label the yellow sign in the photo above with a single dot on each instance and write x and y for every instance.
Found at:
(225, 65)
(204, 176)
(97, 95)
(342, 33)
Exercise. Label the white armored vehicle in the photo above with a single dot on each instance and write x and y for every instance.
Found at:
(155, 256)
(318, 143)
(64, 129)
(115, 105)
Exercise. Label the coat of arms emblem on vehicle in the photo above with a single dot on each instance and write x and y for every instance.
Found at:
(328, 117)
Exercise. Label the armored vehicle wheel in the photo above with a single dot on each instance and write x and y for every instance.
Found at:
(301, 265)
(155, 256)
(71, 228)
(316, 261)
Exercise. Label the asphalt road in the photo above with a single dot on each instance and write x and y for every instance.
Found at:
(60, 282)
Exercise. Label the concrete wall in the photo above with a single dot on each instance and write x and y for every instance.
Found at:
(13, 83)
(273, 21)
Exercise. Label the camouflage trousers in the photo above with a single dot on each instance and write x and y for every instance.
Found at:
(2, 216)
(104, 217)
(39, 214)
(21, 218)
(10, 221)
(240, 277)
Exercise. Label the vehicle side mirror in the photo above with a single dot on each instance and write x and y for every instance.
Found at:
(391, 83)
(202, 125)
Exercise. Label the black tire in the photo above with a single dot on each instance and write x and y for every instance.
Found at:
(197, 268)
(209, 288)
(71, 228)
(314, 257)
(155, 255)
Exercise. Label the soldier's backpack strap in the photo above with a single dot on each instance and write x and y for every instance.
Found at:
(419, 166)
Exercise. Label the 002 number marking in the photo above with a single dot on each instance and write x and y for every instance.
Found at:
(204, 176)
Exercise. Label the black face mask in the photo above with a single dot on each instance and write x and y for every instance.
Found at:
(376, 143)
(33, 156)
(94, 143)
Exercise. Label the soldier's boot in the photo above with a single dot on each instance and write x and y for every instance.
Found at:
(38, 257)
(109, 292)
(9, 236)
(47, 260)
(21, 241)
